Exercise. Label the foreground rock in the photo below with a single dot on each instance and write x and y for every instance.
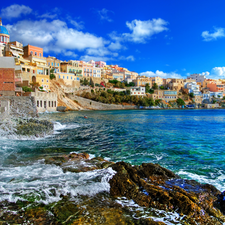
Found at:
(142, 195)
(153, 186)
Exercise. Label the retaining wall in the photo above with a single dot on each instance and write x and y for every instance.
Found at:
(93, 105)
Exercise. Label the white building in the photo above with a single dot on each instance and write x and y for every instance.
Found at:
(197, 77)
(45, 101)
(139, 91)
(193, 87)
(96, 72)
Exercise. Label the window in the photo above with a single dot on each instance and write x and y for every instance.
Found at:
(42, 80)
(40, 103)
(37, 103)
(67, 77)
(71, 78)
(88, 70)
(23, 69)
(33, 71)
(63, 77)
(49, 63)
(40, 54)
(58, 64)
(31, 52)
(45, 105)
(59, 76)
(47, 80)
(49, 104)
(52, 103)
(52, 64)
(55, 103)
(35, 53)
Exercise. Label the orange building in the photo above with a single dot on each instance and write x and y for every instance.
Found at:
(213, 87)
(32, 50)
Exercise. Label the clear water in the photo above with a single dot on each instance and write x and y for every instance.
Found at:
(188, 142)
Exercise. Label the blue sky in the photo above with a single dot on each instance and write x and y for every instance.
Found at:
(161, 37)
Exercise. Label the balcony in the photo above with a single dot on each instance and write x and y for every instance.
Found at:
(18, 89)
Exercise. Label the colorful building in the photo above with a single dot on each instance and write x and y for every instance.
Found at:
(30, 50)
(139, 91)
(53, 63)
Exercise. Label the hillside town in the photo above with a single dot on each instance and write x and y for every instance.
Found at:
(53, 83)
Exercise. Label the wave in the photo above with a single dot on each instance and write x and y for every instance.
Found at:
(218, 182)
(47, 183)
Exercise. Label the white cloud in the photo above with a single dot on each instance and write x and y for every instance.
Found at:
(69, 38)
(216, 73)
(218, 33)
(15, 11)
(205, 73)
(70, 53)
(53, 36)
(48, 16)
(115, 46)
(87, 58)
(77, 25)
(128, 58)
(104, 15)
(143, 30)
(101, 52)
(161, 74)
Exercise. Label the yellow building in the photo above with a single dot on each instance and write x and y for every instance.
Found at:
(72, 66)
(142, 81)
(43, 81)
(69, 79)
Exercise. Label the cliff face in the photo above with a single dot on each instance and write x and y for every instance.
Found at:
(63, 100)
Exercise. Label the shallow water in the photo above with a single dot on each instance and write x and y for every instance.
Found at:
(188, 142)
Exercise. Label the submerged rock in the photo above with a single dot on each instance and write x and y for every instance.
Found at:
(78, 162)
(153, 186)
(34, 127)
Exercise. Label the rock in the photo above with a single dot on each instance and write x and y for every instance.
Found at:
(153, 186)
(221, 202)
(34, 127)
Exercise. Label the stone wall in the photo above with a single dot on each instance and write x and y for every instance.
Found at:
(18, 106)
(93, 105)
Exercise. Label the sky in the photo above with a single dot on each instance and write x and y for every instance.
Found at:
(166, 38)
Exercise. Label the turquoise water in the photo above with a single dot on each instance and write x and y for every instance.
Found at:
(188, 142)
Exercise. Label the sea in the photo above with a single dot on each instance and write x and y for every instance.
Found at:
(188, 142)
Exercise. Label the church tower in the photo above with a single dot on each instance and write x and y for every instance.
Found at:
(4, 34)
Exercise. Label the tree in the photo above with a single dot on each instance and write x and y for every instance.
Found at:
(155, 86)
(85, 82)
(26, 89)
(52, 75)
(180, 102)
(157, 101)
(151, 91)
(191, 95)
(131, 84)
(128, 92)
(147, 88)
(161, 87)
